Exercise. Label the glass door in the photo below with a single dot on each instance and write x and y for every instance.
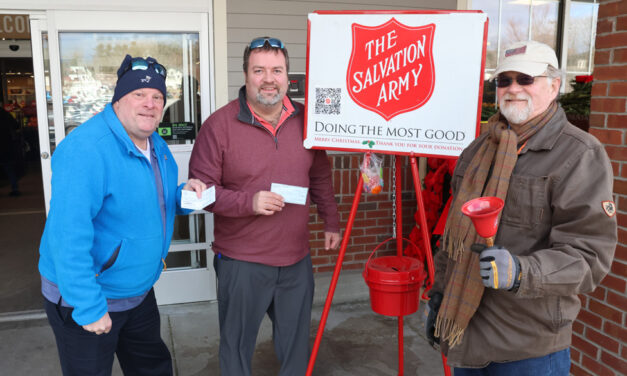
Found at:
(80, 54)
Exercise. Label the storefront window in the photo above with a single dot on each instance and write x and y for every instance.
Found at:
(515, 17)
(490, 7)
(544, 18)
(581, 29)
(518, 20)
(89, 64)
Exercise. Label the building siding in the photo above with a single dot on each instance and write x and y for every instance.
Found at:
(287, 20)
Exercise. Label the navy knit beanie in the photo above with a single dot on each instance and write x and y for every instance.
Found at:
(129, 79)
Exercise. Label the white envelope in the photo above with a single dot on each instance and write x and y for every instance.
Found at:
(292, 194)
(189, 200)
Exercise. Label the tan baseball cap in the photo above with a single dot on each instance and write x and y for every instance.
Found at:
(528, 57)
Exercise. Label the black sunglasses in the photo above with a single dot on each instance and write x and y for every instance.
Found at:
(139, 63)
(260, 42)
(521, 79)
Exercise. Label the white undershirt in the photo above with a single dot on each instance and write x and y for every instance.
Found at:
(146, 152)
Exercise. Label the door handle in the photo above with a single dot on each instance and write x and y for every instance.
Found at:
(45, 155)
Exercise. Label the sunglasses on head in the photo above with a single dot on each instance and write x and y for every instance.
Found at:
(139, 63)
(260, 42)
(521, 79)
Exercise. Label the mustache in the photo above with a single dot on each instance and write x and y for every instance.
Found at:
(516, 97)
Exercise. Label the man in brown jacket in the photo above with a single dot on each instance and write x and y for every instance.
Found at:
(509, 309)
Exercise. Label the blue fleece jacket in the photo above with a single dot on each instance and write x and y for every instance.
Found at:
(104, 201)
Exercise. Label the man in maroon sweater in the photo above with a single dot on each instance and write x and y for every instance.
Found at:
(262, 242)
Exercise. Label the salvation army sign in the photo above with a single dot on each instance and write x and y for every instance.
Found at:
(394, 82)
(391, 67)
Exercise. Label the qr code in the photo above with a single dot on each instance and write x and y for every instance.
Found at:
(328, 101)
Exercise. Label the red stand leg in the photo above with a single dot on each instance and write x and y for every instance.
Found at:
(423, 219)
(401, 350)
(399, 207)
(399, 252)
(447, 369)
(336, 275)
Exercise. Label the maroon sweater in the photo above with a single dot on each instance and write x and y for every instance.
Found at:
(237, 155)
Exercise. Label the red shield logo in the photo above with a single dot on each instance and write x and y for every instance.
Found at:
(391, 67)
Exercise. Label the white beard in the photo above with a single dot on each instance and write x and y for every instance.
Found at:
(270, 101)
(511, 111)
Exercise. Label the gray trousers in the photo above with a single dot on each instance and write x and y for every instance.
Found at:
(246, 292)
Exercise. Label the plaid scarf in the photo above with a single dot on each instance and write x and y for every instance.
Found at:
(464, 287)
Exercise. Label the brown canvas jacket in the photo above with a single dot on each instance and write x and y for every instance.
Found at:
(554, 221)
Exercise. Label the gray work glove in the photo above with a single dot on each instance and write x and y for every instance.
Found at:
(434, 308)
(499, 269)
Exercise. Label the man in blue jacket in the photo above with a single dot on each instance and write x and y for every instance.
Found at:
(114, 198)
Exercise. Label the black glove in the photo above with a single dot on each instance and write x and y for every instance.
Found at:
(434, 307)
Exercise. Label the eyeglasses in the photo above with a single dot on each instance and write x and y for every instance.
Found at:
(260, 42)
(139, 63)
(521, 79)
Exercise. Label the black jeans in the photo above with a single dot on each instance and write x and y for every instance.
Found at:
(135, 338)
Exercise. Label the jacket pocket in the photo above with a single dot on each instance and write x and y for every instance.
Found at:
(525, 205)
(111, 260)
(135, 267)
(554, 312)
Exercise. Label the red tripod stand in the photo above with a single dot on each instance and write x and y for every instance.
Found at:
(399, 243)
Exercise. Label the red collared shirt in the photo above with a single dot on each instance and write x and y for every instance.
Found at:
(287, 110)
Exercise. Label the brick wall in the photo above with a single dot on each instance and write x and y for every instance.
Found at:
(600, 332)
(373, 221)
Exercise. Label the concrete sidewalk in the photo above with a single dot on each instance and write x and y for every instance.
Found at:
(356, 340)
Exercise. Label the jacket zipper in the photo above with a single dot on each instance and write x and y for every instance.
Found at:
(274, 137)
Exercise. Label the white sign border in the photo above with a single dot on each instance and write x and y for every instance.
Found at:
(444, 153)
